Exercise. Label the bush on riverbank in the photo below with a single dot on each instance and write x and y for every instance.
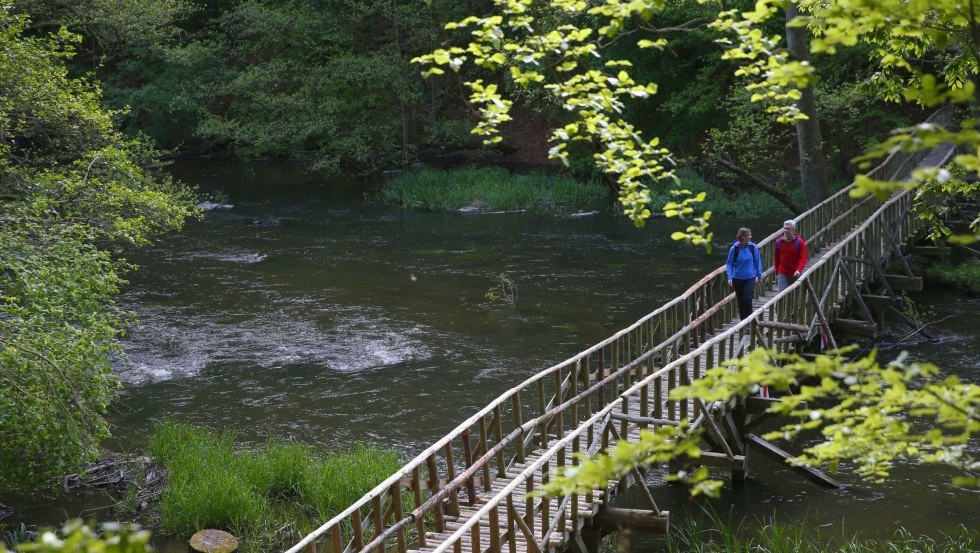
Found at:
(267, 497)
(965, 275)
(491, 189)
(747, 203)
(495, 189)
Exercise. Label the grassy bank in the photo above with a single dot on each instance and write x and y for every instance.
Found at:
(719, 534)
(269, 496)
(491, 189)
(495, 189)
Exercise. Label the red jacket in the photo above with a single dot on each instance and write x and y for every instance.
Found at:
(790, 256)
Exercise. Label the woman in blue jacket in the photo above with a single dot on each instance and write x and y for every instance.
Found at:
(744, 268)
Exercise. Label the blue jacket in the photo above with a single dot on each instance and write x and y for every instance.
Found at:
(748, 265)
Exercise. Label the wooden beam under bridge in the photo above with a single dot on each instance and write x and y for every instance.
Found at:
(776, 453)
(612, 519)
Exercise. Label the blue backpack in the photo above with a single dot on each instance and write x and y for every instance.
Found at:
(755, 252)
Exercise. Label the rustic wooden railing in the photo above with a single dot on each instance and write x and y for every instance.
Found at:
(472, 485)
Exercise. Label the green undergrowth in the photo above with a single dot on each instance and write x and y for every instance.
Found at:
(717, 533)
(269, 496)
(491, 189)
(966, 275)
(748, 203)
(495, 189)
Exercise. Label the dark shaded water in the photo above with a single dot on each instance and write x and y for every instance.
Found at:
(305, 312)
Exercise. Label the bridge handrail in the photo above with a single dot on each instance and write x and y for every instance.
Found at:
(698, 310)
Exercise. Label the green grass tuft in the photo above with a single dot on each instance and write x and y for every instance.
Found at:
(491, 189)
(715, 533)
(257, 494)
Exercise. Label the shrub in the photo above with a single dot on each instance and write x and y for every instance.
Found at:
(965, 275)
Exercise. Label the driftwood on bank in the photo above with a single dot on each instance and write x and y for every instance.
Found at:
(118, 473)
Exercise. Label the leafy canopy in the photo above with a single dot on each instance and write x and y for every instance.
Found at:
(926, 53)
(553, 45)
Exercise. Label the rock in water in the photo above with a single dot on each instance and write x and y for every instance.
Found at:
(214, 541)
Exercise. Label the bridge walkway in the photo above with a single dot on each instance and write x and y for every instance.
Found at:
(468, 492)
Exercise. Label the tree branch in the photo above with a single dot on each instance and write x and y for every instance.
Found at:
(780, 196)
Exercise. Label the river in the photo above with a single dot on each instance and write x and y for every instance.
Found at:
(305, 312)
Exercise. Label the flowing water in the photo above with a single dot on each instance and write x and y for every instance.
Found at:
(305, 312)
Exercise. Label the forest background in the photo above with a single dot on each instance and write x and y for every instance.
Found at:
(329, 83)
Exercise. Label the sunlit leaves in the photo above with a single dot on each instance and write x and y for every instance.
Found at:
(875, 414)
(902, 34)
(659, 446)
(566, 61)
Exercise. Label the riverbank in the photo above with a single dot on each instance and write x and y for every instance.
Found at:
(493, 189)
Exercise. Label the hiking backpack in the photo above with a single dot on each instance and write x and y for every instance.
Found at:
(796, 242)
(755, 252)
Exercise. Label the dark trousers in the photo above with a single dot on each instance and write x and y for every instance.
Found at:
(744, 290)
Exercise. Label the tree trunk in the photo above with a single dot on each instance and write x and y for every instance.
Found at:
(813, 164)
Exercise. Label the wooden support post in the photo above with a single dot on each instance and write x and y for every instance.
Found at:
(823, 320)
(897, 248)
(856, 291)
(588, 540)
(877, 269)
(717, 460)
(879, 302)
(792, 327)
(902, 282)
(940, 252)
(728, 422)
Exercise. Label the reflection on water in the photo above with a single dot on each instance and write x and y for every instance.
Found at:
(304, 313)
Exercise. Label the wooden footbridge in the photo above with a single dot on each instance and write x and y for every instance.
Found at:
(469, 491)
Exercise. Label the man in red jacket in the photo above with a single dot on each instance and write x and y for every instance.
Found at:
(790, 256)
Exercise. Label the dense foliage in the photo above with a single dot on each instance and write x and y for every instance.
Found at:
(70, 187)
(327, 81)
